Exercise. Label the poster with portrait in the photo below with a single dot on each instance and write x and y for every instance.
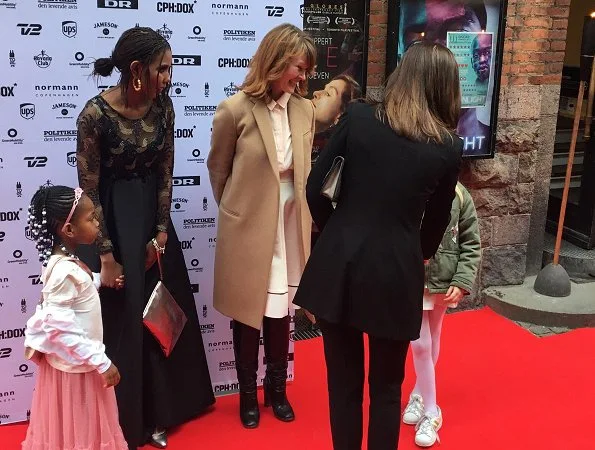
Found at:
(473, 52)
(474, 31)
(339, 30)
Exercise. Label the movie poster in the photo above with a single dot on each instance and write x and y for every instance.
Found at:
(473, 52)
(473, 30)
(339, 30)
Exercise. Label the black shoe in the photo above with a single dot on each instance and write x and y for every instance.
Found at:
(158, 439)
(275, 396)
(246, 341)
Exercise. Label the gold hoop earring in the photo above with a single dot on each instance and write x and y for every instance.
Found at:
(137, 84)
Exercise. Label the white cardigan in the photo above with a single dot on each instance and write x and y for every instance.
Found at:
(67, 326)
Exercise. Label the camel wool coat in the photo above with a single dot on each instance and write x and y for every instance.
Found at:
(244, 175)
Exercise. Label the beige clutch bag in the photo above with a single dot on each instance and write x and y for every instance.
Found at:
(331, 186)
(162, 315)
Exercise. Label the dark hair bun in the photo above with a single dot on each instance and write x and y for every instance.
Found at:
(103, 67)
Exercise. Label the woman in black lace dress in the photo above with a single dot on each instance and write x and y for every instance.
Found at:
(125, 157)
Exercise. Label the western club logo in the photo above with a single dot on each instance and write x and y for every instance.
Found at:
(69, 28)
(105, 29)
(165, 32)
(230, 90)
(229, 9)
(239, 35)
(43, 60)
(27, 110)
(57, 4)
(118, 4)
(176, 7)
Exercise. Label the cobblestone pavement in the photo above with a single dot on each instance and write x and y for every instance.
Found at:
(540, 330)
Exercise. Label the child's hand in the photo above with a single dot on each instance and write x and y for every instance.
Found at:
(120, 282)
(111, 377)
(453, 295)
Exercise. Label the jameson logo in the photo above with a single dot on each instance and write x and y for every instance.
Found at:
(43, 60)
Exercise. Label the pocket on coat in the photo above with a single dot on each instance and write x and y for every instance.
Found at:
(445, 267)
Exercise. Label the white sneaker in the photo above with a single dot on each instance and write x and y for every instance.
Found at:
(414, 410)
(426, 430)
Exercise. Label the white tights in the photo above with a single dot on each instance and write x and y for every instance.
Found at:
(425, 355)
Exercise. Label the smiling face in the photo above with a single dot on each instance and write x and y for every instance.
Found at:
(329, 104)
(294, 73)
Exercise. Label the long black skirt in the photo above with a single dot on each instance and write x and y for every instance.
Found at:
(154, 390)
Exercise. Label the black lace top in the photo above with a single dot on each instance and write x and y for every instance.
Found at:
(110, 145)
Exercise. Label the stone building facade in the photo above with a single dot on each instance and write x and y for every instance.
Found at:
(510, 191)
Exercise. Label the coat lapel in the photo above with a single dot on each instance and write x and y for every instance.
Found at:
(297, 132)
(261, 114)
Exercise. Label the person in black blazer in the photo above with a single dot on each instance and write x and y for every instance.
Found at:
(366, 272)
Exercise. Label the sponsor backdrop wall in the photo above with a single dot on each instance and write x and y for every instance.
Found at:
(47, 48)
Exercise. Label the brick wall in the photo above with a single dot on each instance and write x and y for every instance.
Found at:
(510, 191)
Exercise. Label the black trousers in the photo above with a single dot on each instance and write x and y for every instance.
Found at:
(344, 355)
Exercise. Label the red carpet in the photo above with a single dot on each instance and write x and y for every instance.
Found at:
(499, 387)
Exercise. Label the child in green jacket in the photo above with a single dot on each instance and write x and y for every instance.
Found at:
(450, 275)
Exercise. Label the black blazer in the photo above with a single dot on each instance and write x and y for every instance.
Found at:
(366, 270)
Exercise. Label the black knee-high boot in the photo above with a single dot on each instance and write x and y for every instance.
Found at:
(276, 346)
(245, 346)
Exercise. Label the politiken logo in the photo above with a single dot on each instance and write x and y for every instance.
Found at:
(274, 11)
(229, 9)
(118, 4)
(179, 89)
(7, 91)
(71, 159)
(56, 90)
(239, 35)
(105, 29)
(30, 29)
(176, 7)
(69, 28)
(186, 60)
(43, 60)
(64, 110)
(59, 135)
(36, 161)
(197, 34)
(11, 58)
(234, 63)
(184, 133)
(199, 222)
(27, 110)
(165, 32)
(199, 110)
(186, 181)
(57, 4)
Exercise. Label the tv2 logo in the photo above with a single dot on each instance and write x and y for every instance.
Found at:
(36, 161)
(29, 29)
(275, 11)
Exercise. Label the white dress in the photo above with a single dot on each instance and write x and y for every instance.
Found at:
(285, 267)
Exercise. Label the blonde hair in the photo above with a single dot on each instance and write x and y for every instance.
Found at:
(275, 52)
(422, 98)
